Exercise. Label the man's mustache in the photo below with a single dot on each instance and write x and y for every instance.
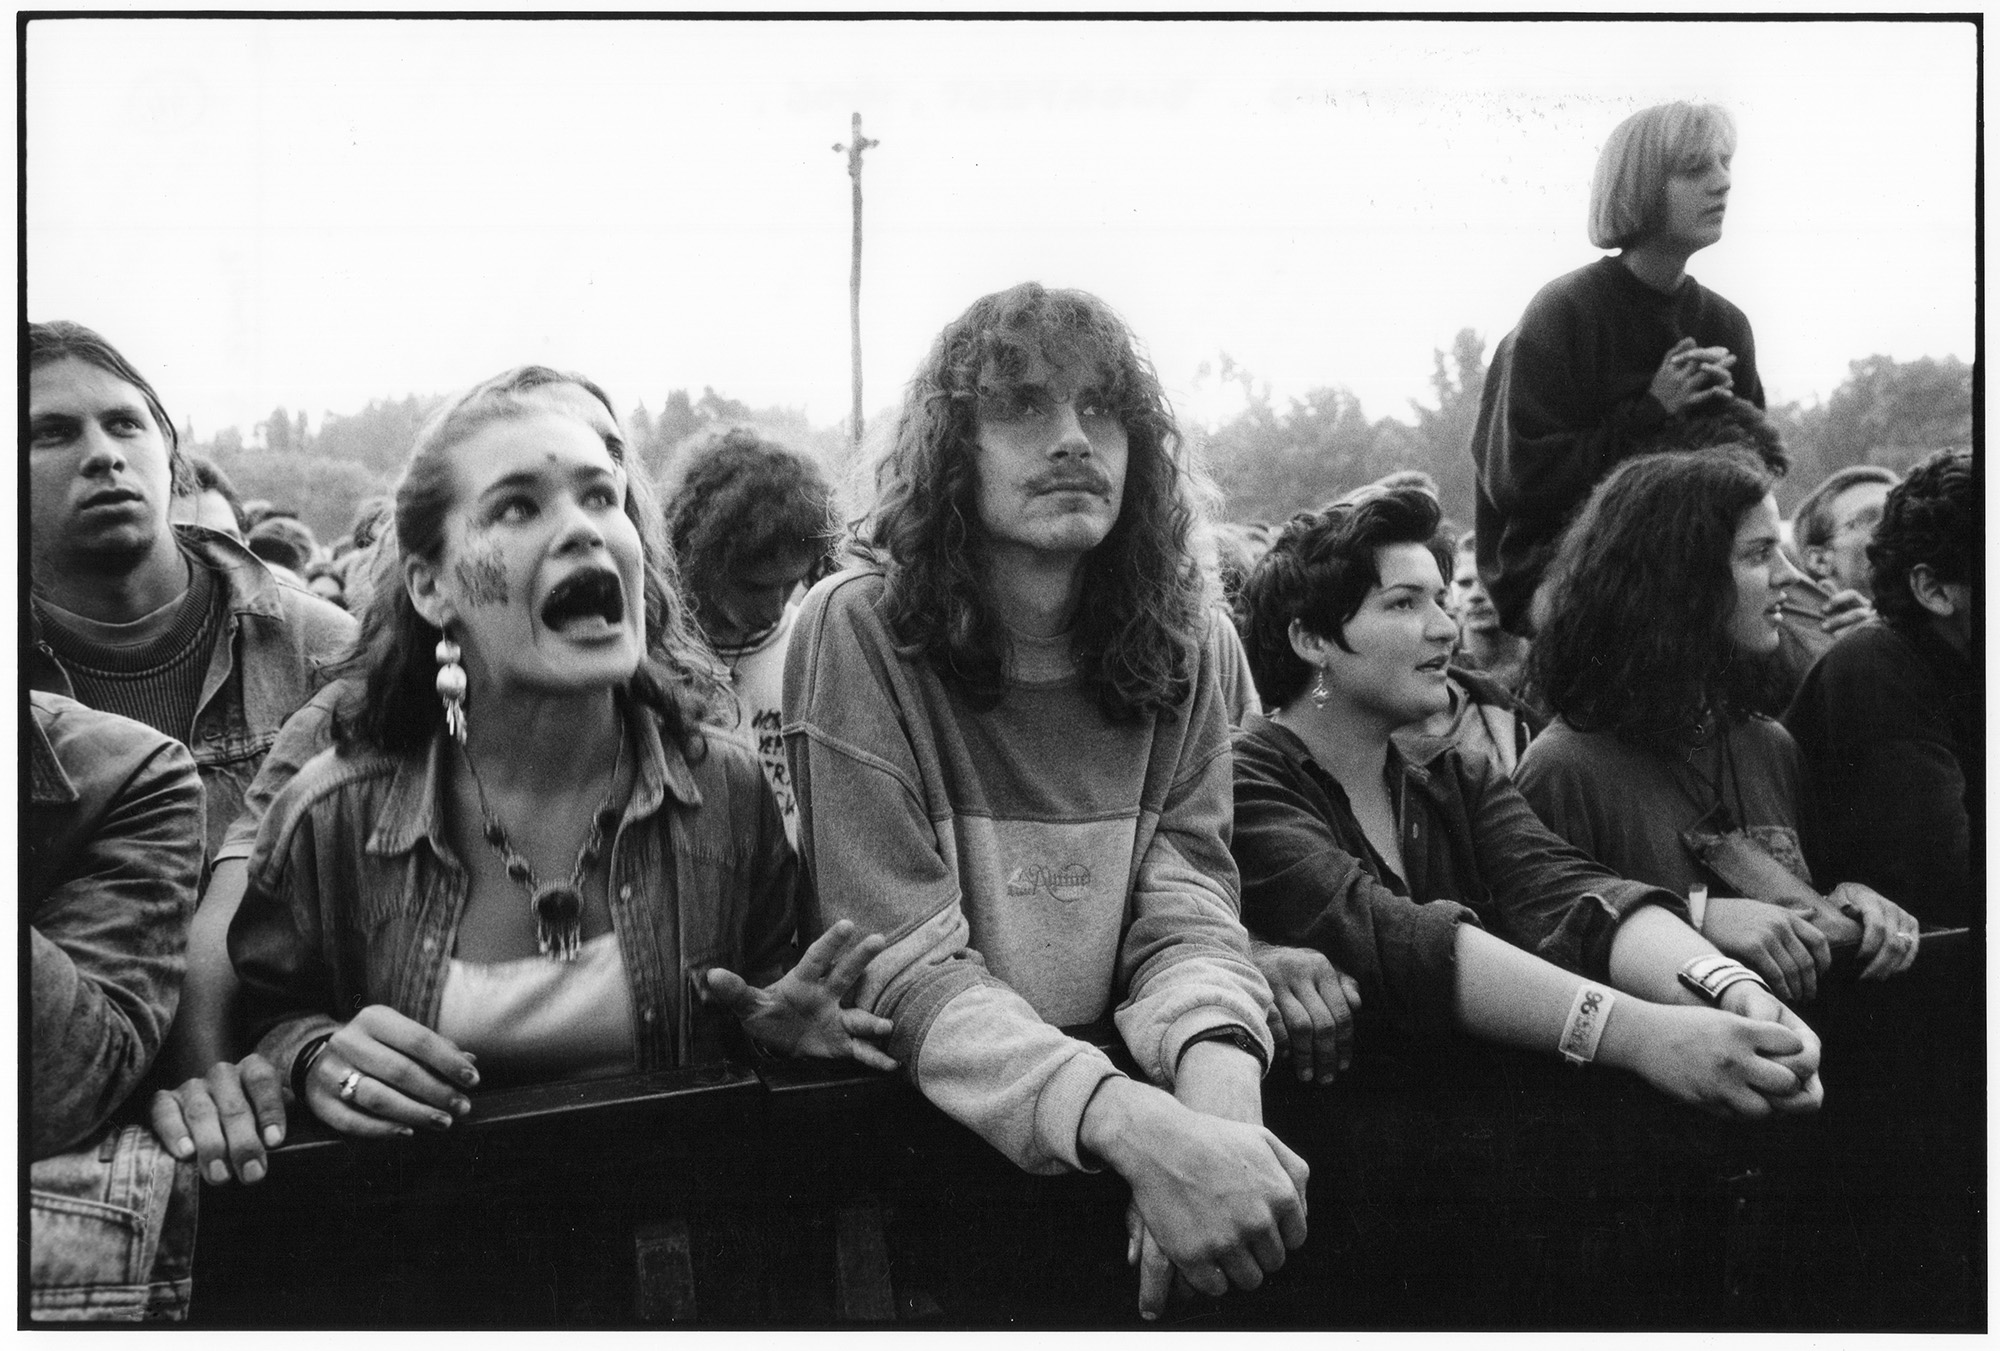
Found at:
(1081, 479)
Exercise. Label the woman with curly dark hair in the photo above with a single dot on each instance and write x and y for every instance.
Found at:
(1425, 878)
(1663, 609)
(522, 858)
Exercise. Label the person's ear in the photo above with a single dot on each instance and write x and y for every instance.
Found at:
(1307, 646)
(1931, 593)
(423, 582)
(1818, 562)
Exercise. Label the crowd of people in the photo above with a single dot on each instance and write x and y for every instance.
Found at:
(548, 771)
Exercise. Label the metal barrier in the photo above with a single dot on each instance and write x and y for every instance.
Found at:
(1454, 1185)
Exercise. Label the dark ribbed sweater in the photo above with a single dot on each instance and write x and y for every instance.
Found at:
(158, 683)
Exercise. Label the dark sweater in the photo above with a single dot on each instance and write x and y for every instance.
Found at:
(1888, 721)
(1566, 399)
(1473, 850)
(159, 683)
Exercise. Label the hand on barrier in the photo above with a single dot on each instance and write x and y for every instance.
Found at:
(801, 1012)
(385, 1074)
(1888, 932)
(1221, 1202)
(1781, 945)
(224, 1119)
(1312, 1010)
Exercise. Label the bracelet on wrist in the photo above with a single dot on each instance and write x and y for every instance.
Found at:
(302, 1063)
(1588, 1013)
(1709, 974)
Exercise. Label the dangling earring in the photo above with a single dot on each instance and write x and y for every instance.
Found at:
(1318, 691)
(451, 688)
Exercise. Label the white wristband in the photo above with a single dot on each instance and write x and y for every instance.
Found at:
(1588, 1013)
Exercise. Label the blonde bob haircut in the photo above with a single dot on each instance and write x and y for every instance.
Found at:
(1639, 156)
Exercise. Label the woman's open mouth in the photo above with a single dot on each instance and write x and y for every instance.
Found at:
(585, 604)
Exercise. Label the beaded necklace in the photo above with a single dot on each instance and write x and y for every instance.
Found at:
(557, 906)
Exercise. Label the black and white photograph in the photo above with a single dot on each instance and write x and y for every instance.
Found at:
(802, 672)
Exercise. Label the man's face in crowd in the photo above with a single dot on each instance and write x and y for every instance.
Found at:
(99, 476)
(1051, 461)
(1470, 604)
(751, 597)
(1843, 560)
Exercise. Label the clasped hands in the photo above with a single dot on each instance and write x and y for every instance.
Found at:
(1792, 950)
(385, 1074)
(1691, 375)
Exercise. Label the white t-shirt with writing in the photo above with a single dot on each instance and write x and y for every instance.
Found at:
(757, 674)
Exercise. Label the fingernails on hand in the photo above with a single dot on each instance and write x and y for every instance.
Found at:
(274, 1135)
(1149, 1315)
(253, 1171)
(440, 1120)
(183, 1147)
(218, 1171)
(459, 1106)
(469, 1077)
(405, 1130)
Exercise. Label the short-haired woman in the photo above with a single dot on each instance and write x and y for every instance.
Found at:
(1605, 354)
(1662, 615)
(1431, 884)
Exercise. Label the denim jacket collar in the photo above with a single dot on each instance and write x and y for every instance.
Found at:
(412, 810)
(252, 587)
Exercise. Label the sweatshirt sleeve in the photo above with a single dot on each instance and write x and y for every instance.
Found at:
(107, 951)
(879, 850)
(1185, 958)
(1302, 887)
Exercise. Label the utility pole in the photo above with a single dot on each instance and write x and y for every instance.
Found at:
(856, 144)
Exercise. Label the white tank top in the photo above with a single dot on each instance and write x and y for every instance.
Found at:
(532, 1020)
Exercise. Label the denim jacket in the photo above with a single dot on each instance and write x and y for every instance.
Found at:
(112, 829)
(355, 896)
(273, 652)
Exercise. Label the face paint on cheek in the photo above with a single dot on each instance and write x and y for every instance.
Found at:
(482, 579)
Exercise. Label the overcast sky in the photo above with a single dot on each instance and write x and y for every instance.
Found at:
(314, 213)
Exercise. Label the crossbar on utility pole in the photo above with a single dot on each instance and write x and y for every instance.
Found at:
(856, 144)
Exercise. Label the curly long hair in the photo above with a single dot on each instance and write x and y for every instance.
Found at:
(1635, 638)
(1143, 611)
(741, 496)
(1319, 572)
(395, 653)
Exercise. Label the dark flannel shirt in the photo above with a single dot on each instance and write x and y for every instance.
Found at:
(1473, 849)
(1888, 721)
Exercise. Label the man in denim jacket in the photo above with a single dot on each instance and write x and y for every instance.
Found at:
(175, 626)
(113, 830)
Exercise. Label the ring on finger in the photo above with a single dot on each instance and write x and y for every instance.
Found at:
(349, 1085)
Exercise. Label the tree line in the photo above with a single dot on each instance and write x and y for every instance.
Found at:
(1269, 461)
